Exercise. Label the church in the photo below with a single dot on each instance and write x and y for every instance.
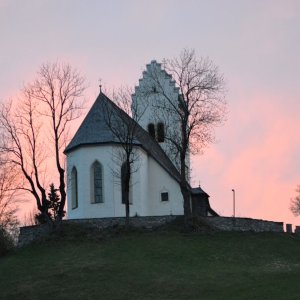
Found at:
(94, 176)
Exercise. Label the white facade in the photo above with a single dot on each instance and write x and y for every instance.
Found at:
(154, 102)
(152, 106)
(148, 183)
(154, 190)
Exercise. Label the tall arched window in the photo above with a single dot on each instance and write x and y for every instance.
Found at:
(151, 130)
(97, 183)
(74, 186)
(160, 132)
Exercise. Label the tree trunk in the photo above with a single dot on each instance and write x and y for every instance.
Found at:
(186, 203)
(184, 185)
(127, 186)
(127, 208)
(62, 190)
(61, 171)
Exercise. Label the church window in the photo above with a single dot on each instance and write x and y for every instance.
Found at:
(160, 132)
(97, 183)
(123, 183)
(151, 130)
(164, 196)
(74, 185)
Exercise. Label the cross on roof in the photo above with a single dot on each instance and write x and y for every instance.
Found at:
(100, 85)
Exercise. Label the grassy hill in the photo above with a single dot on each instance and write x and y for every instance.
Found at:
(155, 265)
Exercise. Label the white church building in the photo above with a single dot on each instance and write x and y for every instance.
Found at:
(93, 186)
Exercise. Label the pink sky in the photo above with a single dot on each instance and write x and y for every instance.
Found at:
(255, 43)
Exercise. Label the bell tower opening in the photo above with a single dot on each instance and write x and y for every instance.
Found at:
(151, 130)
(160, 132)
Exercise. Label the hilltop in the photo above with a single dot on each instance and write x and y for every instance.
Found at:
(155, 265)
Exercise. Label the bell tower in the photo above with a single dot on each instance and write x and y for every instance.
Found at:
(153, 105)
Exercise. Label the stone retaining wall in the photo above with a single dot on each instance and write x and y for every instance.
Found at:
(29, 234)
(142, 222)
(243, 224)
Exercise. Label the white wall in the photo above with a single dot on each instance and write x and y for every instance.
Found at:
(160, 181)
(83, 158)
(147, 184)
(154, 107)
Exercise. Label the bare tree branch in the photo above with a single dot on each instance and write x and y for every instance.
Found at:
(295, 203)
(123, 124)
(9, 196)
(52, 100)
(191, 118)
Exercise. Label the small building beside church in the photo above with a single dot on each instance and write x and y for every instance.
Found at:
(200, 203)
(94, 176)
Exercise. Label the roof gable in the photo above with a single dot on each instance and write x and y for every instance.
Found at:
(94, 131)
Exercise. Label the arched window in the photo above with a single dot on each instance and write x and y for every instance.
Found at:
(123, 183)
(97, 183)
(151, 130)
(160, 132)
(74, 186)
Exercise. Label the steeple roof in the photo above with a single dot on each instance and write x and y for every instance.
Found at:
(95, 131)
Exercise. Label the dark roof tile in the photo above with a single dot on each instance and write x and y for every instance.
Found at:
(94, 131)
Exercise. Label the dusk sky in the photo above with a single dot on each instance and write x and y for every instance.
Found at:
(255, 43)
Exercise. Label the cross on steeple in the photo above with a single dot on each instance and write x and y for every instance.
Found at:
(100, 85)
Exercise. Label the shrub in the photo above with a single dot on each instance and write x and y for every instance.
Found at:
(6, 241)
(53, 204)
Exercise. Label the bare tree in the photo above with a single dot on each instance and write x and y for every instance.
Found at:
(199, 107)
(36, 128)
(295, 203)
(124, 125)
(9, 197)
(20, 144)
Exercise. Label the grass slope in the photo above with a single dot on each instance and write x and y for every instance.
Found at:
(156, 265)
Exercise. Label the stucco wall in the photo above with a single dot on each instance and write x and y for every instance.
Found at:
(159, 181)
(83, 158)
(149, 180)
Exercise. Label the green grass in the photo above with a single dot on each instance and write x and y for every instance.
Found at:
(156, 265)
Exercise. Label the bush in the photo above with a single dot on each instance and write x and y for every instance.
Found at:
(53, 204)
(6, 241)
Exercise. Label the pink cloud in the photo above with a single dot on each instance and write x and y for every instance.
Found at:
(262, 165)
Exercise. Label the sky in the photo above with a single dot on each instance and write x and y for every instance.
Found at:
(255, 43)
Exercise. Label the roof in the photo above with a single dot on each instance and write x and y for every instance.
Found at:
(213, 212)
(95, 131)
(198, 190)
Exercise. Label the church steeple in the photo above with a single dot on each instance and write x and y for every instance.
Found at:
(152, 100)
